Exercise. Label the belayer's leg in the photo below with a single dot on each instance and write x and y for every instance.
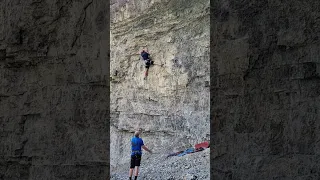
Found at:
(130, 173)
(138, 160)
(132, 164)
(136, 172)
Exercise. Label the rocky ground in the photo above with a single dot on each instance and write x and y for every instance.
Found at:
(157, 166)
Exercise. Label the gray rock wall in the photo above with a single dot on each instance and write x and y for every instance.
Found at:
(172, 105)
(53, 89)
(265, 89)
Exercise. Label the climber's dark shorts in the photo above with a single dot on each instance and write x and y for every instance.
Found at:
(135, 160)
(148, 63)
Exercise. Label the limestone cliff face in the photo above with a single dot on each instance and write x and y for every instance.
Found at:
(53, 95)
(172, 105)
(265, 89)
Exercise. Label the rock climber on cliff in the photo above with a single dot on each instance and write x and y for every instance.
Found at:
(146, 57)
(136, 153)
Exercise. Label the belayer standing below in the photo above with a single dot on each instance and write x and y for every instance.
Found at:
(136, 153)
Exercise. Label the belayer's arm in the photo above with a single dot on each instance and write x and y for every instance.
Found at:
(145, 148)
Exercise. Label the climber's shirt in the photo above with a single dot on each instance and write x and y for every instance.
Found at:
(145, 55)
(136, 144)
